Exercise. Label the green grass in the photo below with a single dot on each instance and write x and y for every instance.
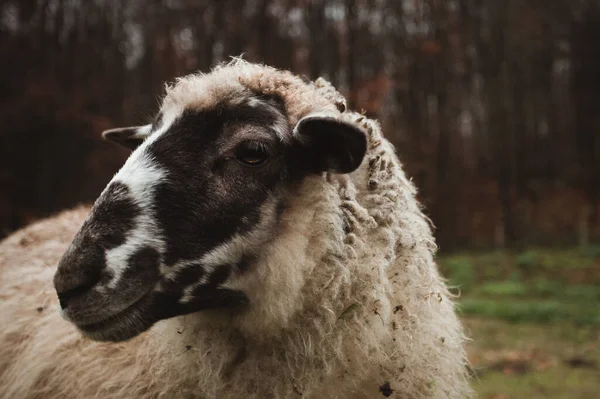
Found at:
(529, 361)
(536, 285)
(534, 317)
(536, 311)
(567, 265)
(539, 289)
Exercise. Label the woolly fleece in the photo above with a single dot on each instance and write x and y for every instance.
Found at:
(346, 300)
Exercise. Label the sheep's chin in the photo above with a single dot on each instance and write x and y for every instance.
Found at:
(121, 326)
(115, 333)
(154, 307)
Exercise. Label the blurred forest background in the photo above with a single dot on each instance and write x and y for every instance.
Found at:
(493, 105)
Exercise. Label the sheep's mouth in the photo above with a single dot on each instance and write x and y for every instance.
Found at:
(119, 326)
(152, 307)
(106, 322)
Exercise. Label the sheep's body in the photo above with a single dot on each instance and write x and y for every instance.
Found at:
(355, 308)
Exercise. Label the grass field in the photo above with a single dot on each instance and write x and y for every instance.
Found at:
(534, 318)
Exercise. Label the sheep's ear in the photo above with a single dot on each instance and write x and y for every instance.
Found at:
(330, 144)
(130, 137)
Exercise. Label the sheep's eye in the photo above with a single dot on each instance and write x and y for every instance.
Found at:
(252, 153)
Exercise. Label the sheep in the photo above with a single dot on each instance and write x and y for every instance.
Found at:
(320, 283)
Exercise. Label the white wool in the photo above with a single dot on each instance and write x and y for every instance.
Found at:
(346, 299)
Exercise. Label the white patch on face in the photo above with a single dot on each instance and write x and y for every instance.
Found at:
(280, 126)
(169, 116)
(141, 176)
(255, 102)
(187, 292)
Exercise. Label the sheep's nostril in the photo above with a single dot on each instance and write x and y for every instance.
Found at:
(74, 288)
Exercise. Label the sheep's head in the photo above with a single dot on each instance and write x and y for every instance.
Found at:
(194, 204)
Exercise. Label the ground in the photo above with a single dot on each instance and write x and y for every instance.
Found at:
(534, 320)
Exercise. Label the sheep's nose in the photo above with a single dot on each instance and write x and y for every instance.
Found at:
(70, 284)
(79, 270)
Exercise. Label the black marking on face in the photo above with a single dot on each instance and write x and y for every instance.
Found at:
(166, 305)
(83, 265)
(273, 100)
(106, 277)
(245, 263)
(211, 195)
(217, 276)
(185, 277)
(142, 268)
(113, 216)
(280, 208)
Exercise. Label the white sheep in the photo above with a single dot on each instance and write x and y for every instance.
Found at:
(341, 295)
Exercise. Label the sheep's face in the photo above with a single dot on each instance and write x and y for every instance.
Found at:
(195, 203)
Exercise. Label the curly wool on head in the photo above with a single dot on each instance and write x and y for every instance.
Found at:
(346, 299)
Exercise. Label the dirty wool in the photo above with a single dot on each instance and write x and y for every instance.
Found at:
(346, 300)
